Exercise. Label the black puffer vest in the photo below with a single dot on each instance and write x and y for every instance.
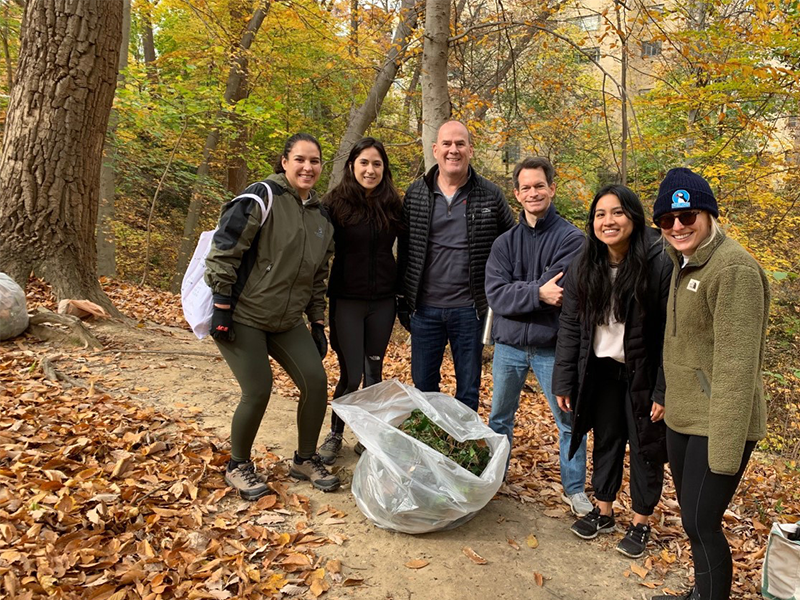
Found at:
(488, 215)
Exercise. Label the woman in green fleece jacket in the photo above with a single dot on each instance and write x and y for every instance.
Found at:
(713, 354)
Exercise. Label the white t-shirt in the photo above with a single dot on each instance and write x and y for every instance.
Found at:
(609, 339)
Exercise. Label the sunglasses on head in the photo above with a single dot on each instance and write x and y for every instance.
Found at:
(687, 217)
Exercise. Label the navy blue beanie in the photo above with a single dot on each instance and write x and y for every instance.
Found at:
(683, 190)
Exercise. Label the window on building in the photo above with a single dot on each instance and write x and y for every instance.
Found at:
(651, 49)
(793, 122)
(589, 55)
(587, 22)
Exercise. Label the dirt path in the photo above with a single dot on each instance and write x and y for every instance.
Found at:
(571, 569)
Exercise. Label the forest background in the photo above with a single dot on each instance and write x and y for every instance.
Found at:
(118, 180)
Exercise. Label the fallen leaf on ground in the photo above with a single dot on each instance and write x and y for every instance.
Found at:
(352, 581)
(640, 571)
(539, 578)
(513, 544)
(532, 541)
(418, 563)
(474, 556)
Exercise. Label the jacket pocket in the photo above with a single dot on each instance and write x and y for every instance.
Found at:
(705, 385)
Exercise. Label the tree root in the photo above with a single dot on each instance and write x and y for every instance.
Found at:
(55, 375)
(167, 352)
(76, 333)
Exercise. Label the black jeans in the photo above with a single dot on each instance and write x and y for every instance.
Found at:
(614, 427)
(703, 497)
(360, 332)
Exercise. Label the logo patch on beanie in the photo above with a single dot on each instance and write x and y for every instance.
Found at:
(680, 199)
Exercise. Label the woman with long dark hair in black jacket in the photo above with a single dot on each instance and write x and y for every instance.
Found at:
(365, 209)
(608, 359)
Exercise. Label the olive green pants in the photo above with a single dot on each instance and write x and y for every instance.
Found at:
(248, 358)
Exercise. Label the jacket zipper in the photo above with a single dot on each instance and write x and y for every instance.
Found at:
(300, 266)
(675, 302)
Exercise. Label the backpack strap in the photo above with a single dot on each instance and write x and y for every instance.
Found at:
(265, 210)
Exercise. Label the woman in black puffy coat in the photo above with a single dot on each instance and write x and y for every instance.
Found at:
(365, 210)
(608, 359)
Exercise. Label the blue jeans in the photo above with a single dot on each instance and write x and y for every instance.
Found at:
(431, 329)
(510, 368)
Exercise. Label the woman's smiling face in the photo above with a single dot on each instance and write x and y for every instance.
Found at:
(611, 225)
(303, 167)
(686, 239)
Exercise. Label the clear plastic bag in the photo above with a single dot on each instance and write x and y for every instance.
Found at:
(401, 483)
(13, 309)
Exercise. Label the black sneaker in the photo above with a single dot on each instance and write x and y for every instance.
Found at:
(589, 526)
(635, 541)
(313, 470)
(244, 479)
(359, 448)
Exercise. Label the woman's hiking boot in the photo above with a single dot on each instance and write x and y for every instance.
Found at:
(243, 478)
(330, 448)
(313, 470)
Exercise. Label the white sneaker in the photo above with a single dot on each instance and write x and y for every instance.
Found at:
(579, 504)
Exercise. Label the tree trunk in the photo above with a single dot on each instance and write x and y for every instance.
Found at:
(363, 116)
(237, 174)
(148, 44)
(435, 93)
(53, 144)
(235, 77)
(106, 247)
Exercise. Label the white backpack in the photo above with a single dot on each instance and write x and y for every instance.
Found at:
(196, 296)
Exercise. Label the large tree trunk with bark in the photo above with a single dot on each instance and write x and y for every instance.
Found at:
(53, 144)
(363, 116)
(435, 93)
(236, 76)
(106, 246)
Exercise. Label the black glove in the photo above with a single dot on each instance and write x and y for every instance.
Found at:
(402, 313)
(222, 325)
(318, 334)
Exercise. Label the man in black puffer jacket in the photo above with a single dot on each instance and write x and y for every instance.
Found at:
(452, 216)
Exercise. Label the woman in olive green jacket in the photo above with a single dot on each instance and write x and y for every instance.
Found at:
(264, 277)
(713, 355)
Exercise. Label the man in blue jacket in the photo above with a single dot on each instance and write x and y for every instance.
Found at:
(522, 289)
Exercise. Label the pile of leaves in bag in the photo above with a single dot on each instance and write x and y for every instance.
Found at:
(473, 455)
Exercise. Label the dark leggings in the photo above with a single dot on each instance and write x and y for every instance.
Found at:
(248, 358)
(703, 497)
(360, 332)
(614, 427)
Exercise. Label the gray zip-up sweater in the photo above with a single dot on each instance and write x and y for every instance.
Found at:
(521, 260)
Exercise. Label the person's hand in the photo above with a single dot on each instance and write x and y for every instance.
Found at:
(551, 292)
(656, 413)
(318, 335)
(564, 403)
(402, 313)
(222, 324)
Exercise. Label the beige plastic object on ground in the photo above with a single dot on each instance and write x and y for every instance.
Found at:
(83, 309)
(780, 578)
